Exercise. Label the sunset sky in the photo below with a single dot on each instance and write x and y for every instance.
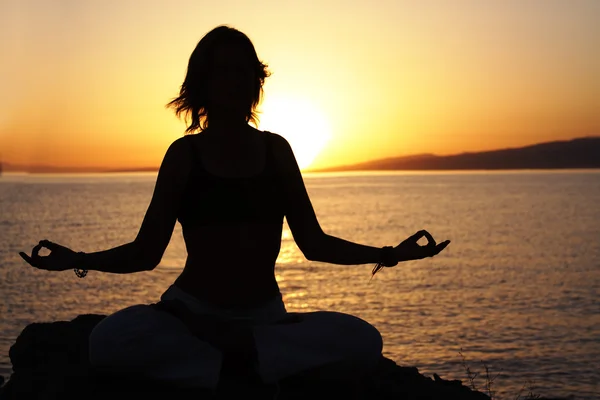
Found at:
(85, 82)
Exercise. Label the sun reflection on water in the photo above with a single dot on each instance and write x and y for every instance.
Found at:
(517, 287)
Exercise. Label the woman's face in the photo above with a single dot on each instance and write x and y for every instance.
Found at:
(231, 80)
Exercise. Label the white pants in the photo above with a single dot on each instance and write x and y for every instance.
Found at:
(142, 340)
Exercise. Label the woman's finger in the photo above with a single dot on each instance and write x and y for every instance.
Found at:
(36, 250)
(26, 257)
(428, 236)
(430, 239)
(441, 246)
(415, 238)
(49, 245)
(423, 233)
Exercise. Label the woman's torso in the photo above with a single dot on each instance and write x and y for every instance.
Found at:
(232, 215)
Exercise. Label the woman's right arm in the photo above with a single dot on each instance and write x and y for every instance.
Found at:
(146, 251)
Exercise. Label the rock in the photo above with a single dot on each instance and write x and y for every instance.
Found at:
(50, 361)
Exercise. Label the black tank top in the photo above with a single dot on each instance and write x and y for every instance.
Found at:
(212, 200)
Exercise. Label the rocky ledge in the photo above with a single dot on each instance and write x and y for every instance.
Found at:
(50, 361)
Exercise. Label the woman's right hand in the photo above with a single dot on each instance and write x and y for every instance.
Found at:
(409, 249)
(61, 258)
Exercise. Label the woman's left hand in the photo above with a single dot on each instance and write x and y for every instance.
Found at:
(409, 249)
(61, 258)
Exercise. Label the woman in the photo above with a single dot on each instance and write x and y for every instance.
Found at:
(230, 187)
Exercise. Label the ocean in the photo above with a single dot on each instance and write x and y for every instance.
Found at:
(516, 290)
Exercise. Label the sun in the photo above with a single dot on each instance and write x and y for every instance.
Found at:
(303, 125)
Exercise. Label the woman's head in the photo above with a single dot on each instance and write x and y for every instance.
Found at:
(224, 77)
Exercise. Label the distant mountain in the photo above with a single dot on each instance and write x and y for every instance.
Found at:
(51, 169)
(576, 153)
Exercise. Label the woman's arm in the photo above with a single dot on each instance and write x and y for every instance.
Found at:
(315, 244)
(124, 259)
(146, 251)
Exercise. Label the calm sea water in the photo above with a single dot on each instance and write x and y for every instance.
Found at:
(516, 289)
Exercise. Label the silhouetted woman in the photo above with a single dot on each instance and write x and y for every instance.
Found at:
(230, 186)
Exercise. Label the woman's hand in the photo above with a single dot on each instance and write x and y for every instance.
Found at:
(409, 249)
(61, 258)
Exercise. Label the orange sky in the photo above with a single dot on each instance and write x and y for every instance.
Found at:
(84, 83)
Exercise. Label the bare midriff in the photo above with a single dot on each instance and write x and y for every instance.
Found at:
(231, 265)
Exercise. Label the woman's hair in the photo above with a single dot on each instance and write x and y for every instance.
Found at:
(193, 97)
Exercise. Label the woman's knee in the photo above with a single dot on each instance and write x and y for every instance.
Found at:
(115, 333)
(360, 339)
(369, 338)
(363, 345)
(351, 347)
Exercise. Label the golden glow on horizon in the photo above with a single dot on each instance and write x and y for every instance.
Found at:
(85, 83)
(304, 126)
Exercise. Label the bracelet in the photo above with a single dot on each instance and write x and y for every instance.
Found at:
(80, 272)
(387, 257)
(386, 260)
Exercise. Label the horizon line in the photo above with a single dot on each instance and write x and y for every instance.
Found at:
(53, 169)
